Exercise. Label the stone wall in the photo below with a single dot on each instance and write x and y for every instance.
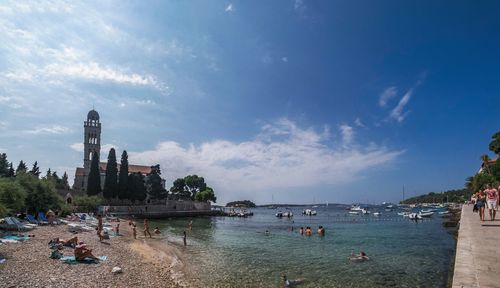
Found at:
(172, 208)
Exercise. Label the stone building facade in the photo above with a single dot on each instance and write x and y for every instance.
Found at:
(92, 143)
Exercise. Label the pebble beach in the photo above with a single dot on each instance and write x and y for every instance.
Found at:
(143, 263)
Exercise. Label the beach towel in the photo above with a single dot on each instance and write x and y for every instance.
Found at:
(72, 260)
(17, 238)
(2, 260)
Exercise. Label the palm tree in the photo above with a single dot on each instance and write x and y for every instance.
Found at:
(469, 183)
(486, 164)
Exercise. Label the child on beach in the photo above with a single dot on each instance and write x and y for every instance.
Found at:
(146, 228)
(117, 229)
(184, 237)
(134, 231)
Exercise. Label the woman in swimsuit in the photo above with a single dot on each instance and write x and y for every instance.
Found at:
(481, 199)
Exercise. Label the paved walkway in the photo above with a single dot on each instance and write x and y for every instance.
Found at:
(477, 260)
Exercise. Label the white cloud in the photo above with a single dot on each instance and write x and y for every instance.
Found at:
(298, 4)
(145, 102)
(283, 155)
(359, 123)
(347, 134)
(397, 113)
(78, 147)
(387, 95)
(284, 59)
(54, 129)
(229, 8)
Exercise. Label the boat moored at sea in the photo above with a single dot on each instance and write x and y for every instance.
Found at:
(309, 212)
(287, 214)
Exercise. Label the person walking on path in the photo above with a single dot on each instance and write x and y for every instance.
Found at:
(146, 228)
(481, 202)
(492, 200)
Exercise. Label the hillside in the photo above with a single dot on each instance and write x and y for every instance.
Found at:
(455, 196)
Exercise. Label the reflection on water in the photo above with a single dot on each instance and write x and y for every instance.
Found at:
(229, 252)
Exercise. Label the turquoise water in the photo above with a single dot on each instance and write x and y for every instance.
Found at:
(235, 252)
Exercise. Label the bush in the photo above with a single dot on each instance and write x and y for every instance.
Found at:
(88, 203)
(12, 196)
(3, 210)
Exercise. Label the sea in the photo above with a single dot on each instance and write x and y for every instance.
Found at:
(237, 252)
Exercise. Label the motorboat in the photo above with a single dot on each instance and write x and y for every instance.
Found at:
(414, 216)
(427, 210)
(377, 214)
(364, 211)
(287, 214)
(309, 212)
(444, 212)
(425, 214)
(356, 208)
(404, 214)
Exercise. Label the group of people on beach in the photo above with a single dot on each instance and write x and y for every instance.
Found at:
(487, 197)
(81, 251)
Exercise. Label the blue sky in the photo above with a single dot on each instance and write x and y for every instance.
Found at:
(339, 101)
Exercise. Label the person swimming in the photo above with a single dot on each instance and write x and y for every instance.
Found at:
(359, 257)
(321, 231)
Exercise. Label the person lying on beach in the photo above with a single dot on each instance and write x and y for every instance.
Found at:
(70, 242)
(157, 230)
(82, 252)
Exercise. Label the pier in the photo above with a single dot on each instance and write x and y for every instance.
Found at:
(477, 256)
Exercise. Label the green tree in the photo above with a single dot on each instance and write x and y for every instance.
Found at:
(12, 195)
(206, 195)
(64, 181)
(11, 173)
(48, 175)
(35, 170)
(154, 184)
(137, 187)
(123, 177)
(111, 181)
(21, 168)
(481, 180)
(486, 163)
(4, 165)
(88, 203)
(189, 186)
(3, 211)
(43, 197)
(94, 181)
(495, 143)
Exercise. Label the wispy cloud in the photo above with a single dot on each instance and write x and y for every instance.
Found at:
(347, 134)
(284, 59)
(53, 129)
(387, 95)
(104, 148)
(229, 8)
(397, 113)
(283, 155)
(359, 123)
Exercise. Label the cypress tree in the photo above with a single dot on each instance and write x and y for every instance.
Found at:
(21, 167)
(111, 181)
(11, 172)
(48, 174)
(35, 170)
(4, 165)
(155, 189)
(123, 177)
(64, 180)
(138, 188)
(94, 181)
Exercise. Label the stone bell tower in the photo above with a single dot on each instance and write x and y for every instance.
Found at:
(92, 138)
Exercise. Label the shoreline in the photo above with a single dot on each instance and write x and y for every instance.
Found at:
(144, 262)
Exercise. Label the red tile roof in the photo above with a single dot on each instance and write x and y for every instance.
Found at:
(131, 169)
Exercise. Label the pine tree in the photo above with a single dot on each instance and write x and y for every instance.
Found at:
(35, 170)
(64, 180)
(4, 165)
(153, 182)
(111, 181)
(138, 188)
(48, 174)
(123, 177)
(94, 181)
(21, 167)
(11, 172)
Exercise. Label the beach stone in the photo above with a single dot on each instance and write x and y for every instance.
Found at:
(116, 270)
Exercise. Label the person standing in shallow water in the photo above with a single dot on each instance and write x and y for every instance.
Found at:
(190, 225)
(146, 228)
(184, 237)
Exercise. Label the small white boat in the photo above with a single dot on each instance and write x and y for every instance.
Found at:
(287, 214)
(309, 212)
(404, 214)
(353, 212)
(414, 216)
(425, 214)
(444, 212)
(427, 210)
(356, 208)
(363, 211)
(377, 214)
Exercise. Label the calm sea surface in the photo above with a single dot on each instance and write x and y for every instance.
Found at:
(236, 252)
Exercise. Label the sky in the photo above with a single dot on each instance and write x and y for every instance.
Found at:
(294, 101)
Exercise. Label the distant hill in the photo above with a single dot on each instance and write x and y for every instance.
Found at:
(455, 196)
(242, 203)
